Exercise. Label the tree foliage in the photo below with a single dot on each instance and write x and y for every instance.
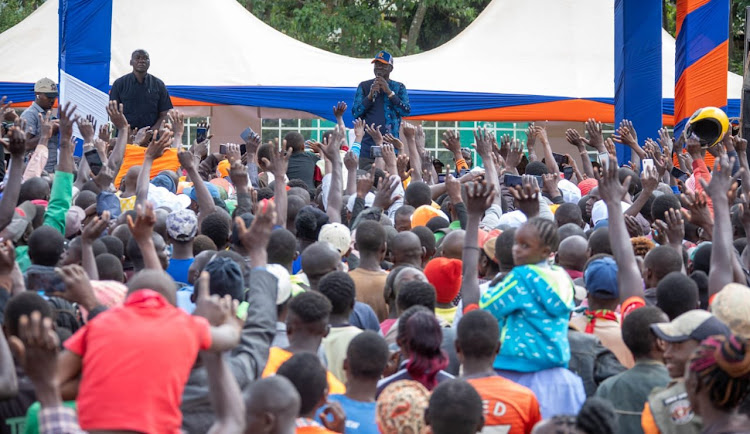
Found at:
(13, 12)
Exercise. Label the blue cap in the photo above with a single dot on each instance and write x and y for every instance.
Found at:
(190, 191)
(384, 57)
(601, 279)
(164, 180)
(107, 201)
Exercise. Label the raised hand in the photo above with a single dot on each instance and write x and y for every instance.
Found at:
(596, 139)
(697, 211)
(389, 155)
(634, 228)
(410, 131)
(217, 310)
(104, 178)
(87, 129)
(610, 188)
(527, 196)
(665, 141)
(177, 120)
(333, 417)
(364, 185)
(515, 153)
(721, 178)
(374, 132)
(117, 116)
(143, 227)
(157, 147)
(574, 138)
(77, 286)
(686, 162)
(649, 180)
(104, 133)
(740, 144)
(531, 136)
(673, 226)
(6, 111)
(339, 109)
(351, 161)
(609, 145)
(255, 239)
(453, 187)
(479, 197)
(16, 139)
(186, 159)
(402, 164)
(384, 195)
(549, 184)
(359, 129)
(36, 347)
(626, 134)
(94, 228)
(7, 257)
(330, 147)
(233, 152)
(67, 119)
(483, 142)
(390, 138)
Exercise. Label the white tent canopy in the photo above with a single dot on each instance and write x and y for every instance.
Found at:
(511, 48)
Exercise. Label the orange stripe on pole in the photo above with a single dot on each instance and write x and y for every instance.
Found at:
(702, 84)
(190, 102)
(684, 7)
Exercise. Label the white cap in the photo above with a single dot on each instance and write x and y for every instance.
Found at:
(284, 285)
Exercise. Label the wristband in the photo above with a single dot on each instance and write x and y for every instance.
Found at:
(356, 147)
(390, 95)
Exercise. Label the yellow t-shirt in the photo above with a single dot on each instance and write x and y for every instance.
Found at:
(447, 314)
(277, 357)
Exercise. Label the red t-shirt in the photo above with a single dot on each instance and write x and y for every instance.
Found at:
(508, 406)
(136, 361)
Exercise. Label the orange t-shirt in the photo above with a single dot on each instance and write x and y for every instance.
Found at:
(631, 304)
(508, 406)
(134, 156)
(277, 357)
(136, 360)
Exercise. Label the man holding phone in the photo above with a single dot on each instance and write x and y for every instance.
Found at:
(380, 101)
(145, 97)
(45, 95)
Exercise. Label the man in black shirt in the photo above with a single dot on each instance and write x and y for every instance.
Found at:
(145, 98)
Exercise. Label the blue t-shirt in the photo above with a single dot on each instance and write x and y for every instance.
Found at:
(178, 269)
(360, 416)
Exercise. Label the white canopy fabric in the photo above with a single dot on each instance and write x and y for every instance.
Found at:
(511, 48)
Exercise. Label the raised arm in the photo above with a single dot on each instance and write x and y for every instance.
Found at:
(479, 197)
(549, 159)
(338, 111)
(351, 162)
(721, 272)
(415, 158)
(91, 232)
(115, 112)
(225, 395)
(330, 149)
(142, 230)
(575, 139)
(156, 148)
(221, 313)
(205, 201)
(484, 144)
(278, 165)
(239, 178)
(627, 136)
(62, 189)
(649, 180)
(629, 279)
(177, 120)
(17, 146)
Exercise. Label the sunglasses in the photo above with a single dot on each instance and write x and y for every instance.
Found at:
(51, 95)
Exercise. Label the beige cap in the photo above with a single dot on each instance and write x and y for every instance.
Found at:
(338, 235)
(694, 324)
(45, 85)
(732, 306)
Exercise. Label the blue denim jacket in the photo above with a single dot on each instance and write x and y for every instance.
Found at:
(394, 108)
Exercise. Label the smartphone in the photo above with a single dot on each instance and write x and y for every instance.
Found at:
(511, 180)
(376, 152)
(223, 149)
(49, 283)
(94, 161)
(560, 158)
(568, 173)
(247, 134)
(243, 149)
(604, 160)
(647, 163)
(200, 134)
(679, 174)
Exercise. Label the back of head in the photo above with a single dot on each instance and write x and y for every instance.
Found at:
(282, 247)
(202, 243)
(426, 238)
(294, 204)
(311, 308)
(420, 330)
(226, 278)
(597, 416)
(275, 395)
(546, 230)
(568, 230)
(265, 151)
(401, 407)
(417, 194)
(295, 141)
(636, 330)
(367, 356)
(133, 252)
(568, 213)
(701, 280)
(109, 267)
(478, 335)
(23, 304)
(123, 234)
(85, 199)
(416, 293)
(318, 259)
(664, 203)
(46, 244)
(370, 237)
(34, 188)
(702, 258)
(297, 187)
(721, 366)
(216, 227)
(455, 408)
(155, 280)
(676, 294)
(308, 222)
(572, 253)
(662, 260)
(536, 168)
(114, 245)
(339, 289)
(599, 242)
(234, 237)
(437, 223)
(309, 377)
(504, 249)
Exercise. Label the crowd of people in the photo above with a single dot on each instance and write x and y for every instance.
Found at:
(349, 286)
